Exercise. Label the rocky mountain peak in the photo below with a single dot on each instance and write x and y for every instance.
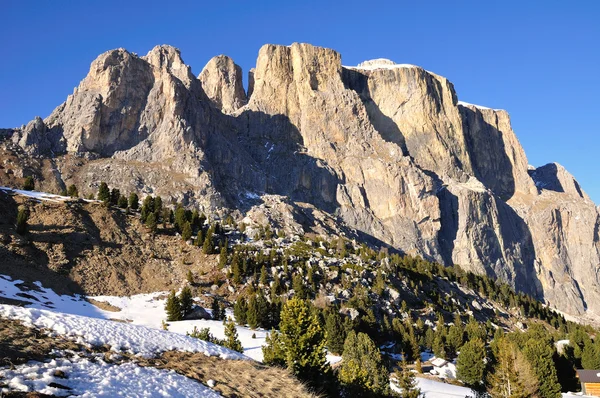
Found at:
(382, 148)
(222, 81)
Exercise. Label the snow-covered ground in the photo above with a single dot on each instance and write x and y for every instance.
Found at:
(120, 336)
(437, 389)
(42, 196)
(144, 310)
(96, 378)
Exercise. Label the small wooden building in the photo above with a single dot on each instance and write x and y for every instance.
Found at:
(590, 381)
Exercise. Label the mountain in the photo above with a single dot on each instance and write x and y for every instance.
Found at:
(380, 150)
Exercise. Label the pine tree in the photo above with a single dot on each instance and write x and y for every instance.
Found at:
(199, 238)
(223, 256)
(29, 184)
(539, 353)
(252, 312)
(231, 336)
(302, 341)
(173, 307)
(207, 246)
(190, 277)
(104, 193)
(263, 276)
(407, 382)
(512, 376)
(455, 337)
(240, 309)
(236, 269)
(22, 217)
(474, 330)
(362, 372)
(274, 352)
(335, 332)
(133, 201)
(299, 287)
(115, 194)
(186, 232)
(217, 314)
(151, 223)
(186, 301)
(180, 218)
(72, 191)
(470, 365)
(590, 355)
(122, 202)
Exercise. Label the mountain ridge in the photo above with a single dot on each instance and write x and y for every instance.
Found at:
(388, 151)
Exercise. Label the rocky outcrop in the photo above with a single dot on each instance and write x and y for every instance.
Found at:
(383, 148)
(222, 82)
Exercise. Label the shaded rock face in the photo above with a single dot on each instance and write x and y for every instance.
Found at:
(383, 148)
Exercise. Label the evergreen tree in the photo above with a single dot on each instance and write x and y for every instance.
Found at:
(199, 238)
(207, 246)
(173, 307)
(590, 356)
(186, 301)
(180, 218)
(236, 269)
(512, 376)
(539, 353)
(104, 193)
(217, 314)
(231, 336)
(263, 276)
(186, 232)
(115, 194)
(407, 382)
(252, 312)
(299, 287)
(158, 207)
(455, 337)
(190, 277)
(122, 202)
(22, 217)
(474, 330)
(72, 191)
(240, 309)
(274, 351)
(335, 331)
(223, 256)
(303, 343)
(29, 184)
(362, 372)
(133, 201)
(470, 365)
(151, 223)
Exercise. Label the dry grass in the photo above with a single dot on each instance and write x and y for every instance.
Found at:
(233, 378)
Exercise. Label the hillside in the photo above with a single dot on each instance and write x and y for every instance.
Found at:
(408, 306)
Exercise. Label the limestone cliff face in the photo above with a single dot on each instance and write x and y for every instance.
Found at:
(383, 148)
(222, 81)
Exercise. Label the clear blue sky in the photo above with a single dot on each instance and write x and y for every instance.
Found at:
(540, 60)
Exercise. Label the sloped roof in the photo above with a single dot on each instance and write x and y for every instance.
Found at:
(589, 376)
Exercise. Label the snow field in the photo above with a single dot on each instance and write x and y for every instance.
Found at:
(96, 378)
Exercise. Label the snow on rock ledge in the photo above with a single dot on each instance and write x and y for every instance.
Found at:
(139, 340)
(380, 63)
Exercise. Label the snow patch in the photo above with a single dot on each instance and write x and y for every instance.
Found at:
(139, 340)
(87, 378)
